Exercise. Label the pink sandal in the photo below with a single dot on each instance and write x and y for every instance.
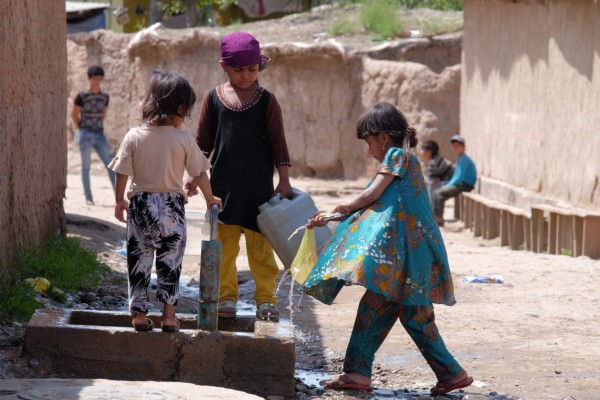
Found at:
(444, 387)
(345, 382)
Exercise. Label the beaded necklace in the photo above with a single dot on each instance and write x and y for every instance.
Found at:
(250, 103)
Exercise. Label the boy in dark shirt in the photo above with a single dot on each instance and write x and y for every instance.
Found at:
(439, 170)
(89, 111)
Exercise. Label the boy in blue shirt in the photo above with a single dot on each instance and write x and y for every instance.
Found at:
(463, 179)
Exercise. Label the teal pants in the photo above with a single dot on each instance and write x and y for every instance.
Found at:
(375, 318)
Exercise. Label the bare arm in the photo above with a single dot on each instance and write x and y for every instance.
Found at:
(364, 199)
(284, 188)
(121, 204)
(204, 184)
(75, 116)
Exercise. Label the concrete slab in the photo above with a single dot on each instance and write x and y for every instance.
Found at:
(249, 355)
(94, 389)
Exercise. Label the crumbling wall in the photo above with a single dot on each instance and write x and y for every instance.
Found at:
(33, 151)
(437, 52)
(529, 99)
(322, 90)
(430, 101)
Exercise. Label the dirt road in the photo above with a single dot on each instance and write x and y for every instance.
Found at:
(533, 337)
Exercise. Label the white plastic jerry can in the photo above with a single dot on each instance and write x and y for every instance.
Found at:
(282, 220)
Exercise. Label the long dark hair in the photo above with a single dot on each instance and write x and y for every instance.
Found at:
(385, 117)
(169, 95)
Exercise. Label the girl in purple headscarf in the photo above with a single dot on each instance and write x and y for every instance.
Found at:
(241, 127)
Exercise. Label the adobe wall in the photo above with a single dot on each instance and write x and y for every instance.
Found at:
(33, 149)
(322, 90)
(530, 99)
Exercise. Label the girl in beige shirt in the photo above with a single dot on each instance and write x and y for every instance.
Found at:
(156, 154)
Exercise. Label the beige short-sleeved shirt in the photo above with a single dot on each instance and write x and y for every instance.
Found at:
(156, 158)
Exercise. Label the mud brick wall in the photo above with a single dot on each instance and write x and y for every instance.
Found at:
(322, 90)
(529, 99)
(33, 148)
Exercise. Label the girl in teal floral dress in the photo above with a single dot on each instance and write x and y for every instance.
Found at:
(389, 243)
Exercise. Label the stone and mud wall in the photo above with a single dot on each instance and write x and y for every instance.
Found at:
(322, 89)
(33, 148)
(530, 97)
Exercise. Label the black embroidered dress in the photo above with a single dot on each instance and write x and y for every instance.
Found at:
(242, 157)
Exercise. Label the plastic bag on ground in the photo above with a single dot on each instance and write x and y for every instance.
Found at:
(484, 279)
(306, 257)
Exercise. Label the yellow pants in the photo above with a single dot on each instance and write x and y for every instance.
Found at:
(260, 257)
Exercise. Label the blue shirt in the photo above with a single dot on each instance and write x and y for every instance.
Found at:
(465, 171)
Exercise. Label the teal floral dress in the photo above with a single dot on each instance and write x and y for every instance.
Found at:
(393, 247)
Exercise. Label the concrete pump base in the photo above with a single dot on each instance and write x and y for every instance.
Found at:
(245, 354)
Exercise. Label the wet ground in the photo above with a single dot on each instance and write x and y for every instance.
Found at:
(315, 362)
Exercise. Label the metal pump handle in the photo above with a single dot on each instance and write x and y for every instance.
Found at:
(214, 211)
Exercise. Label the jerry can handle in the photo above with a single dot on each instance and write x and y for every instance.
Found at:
(276, 199)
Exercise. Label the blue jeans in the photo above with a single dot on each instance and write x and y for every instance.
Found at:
(87, 140)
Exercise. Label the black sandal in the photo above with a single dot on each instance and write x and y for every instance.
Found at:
(171, 328)
(147, 327)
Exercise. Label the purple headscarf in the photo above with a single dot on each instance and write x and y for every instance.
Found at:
(241, 49)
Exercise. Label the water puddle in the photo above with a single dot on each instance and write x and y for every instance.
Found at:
(188, 288)
(312, 378)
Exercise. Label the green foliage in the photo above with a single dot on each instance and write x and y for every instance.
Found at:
(62, 261)
(431, 27)
(173, 7)
(566, 252)
(379, 16)
(17, 300)
(446, 5)
(344, 26)
(342, 3)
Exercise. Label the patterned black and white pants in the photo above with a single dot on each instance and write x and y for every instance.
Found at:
(155, 226)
